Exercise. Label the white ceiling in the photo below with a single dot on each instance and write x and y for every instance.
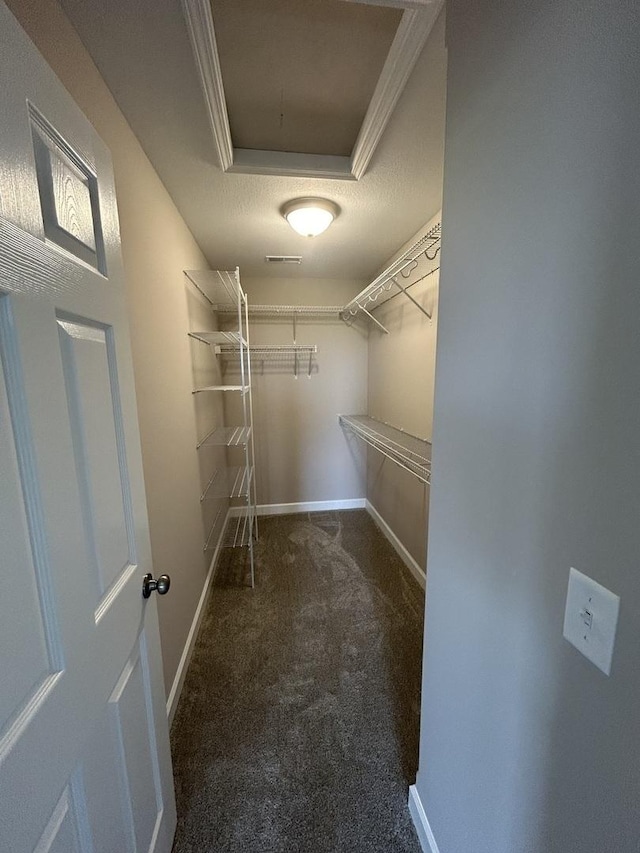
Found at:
(143, 52)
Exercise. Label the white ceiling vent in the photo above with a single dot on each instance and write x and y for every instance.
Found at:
(283, 259)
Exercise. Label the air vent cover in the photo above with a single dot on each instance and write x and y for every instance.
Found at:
(283, 259)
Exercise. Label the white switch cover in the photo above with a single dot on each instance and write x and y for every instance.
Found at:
(591, 619)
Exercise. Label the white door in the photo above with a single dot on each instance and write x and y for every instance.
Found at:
(84, 748)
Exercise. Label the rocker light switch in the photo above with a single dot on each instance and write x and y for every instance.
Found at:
(591, 619)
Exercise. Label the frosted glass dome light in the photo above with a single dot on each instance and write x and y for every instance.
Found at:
(310, 216)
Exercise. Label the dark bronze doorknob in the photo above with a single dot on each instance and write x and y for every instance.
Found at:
(161, 586)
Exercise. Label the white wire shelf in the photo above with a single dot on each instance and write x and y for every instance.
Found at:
(289, 311)
(295, 314)
(406, 450)
(212, 529)
(289, 356)
(243, 388)
(226, 437)
(221, 288)
(239, 529)
(230, 483)
(272, 350)
(395, 280)
(222, 338)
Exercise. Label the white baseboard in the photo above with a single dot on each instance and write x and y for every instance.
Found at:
(402, 552)
(310, 506)
(185, 658)
(419, 816)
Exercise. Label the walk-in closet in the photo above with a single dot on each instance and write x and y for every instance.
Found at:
(313, 628)
(277, 175)
(276, 578)
(318, 399)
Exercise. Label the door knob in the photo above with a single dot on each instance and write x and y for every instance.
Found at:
(161, 586)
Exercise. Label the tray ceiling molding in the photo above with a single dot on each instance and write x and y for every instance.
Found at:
(411, 36)
(197, 14)
(249, 161)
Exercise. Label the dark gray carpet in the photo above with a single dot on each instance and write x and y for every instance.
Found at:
(297, 729)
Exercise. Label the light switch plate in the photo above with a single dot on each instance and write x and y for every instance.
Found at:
(591, 619)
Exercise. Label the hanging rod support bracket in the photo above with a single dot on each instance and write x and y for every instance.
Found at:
(371, 317)
(409, 296)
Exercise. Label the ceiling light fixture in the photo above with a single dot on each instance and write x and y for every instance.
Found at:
(310, 216)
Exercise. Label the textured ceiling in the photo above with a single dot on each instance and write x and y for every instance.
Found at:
(300, 76)
(143, 52)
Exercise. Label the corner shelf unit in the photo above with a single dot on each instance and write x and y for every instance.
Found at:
(390, 283)
(408, 451)
(231, 485)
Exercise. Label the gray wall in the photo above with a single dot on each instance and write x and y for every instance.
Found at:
(156, 248)
(402, 364)
(401, 386)
(525, 745)
(302, 453)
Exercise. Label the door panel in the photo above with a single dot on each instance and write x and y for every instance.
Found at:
(61, 833)
(84, 749)
(109, 812)
(30, 641)
(132, 732)
(68, 193)
(100, 459)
